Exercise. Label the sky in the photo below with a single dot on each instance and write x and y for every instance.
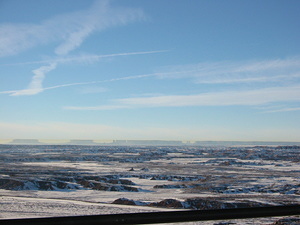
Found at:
(150, 70)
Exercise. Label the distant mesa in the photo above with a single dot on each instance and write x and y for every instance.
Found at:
(37, 142)
(25, 141)
(82, 142)
(146, 142)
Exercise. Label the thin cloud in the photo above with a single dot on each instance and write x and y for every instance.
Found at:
(250, 97)
(100, 81)
(98, 108)
(257, 79)
(156, 75)
(38, 88)
(207, 72)
(278, 70)
(8, 92)
(99, 17)
(36, 84)
(71, 29)
(283, 110)
(225, 98)
(83, 58)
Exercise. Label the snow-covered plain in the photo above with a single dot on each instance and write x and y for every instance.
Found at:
(62, 180)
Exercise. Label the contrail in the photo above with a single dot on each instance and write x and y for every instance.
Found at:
(17, 92)
(97, 82)
(101, 81)
(83, 58)
(35, 86)
(111, 80)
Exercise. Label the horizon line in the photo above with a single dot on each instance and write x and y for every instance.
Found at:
(30, 141)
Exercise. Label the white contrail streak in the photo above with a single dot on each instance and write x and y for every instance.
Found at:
(100, 81)
(16, 92)
(13, 93)
(83, 58)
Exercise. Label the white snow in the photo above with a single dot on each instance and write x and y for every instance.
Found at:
(241, 173)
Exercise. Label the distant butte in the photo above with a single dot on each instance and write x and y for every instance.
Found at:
(25, 141)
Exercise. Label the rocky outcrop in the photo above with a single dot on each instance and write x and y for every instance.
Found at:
(101, 184)
(43, 185)
(195, 204)
(124, 201)
(206, 204)
(168, 203)
(11, 184)
(287, 221)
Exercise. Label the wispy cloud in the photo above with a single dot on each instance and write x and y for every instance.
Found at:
(83, 58)
(38, 88)
(273, 72)
(286, 109)
(36, 84)
(99, 17)
(225, 98)
(70, 29)
(133, 77)
(257, 79)
(278, 70)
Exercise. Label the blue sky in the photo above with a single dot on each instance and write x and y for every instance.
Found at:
(139, 69)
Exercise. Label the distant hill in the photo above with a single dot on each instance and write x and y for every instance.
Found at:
(146, 142)
(25, 141)
(81, 142)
